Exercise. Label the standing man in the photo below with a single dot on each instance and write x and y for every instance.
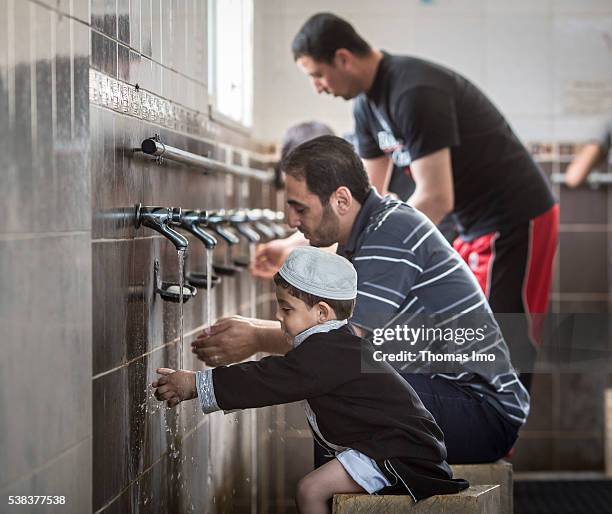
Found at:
(463, 157)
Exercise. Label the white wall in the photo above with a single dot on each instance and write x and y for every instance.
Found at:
(546, 63)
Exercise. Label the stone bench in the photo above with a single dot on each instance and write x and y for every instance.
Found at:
(477, 499)
(499, 472)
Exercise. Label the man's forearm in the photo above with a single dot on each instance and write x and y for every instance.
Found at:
(432, 208)
(270, 338)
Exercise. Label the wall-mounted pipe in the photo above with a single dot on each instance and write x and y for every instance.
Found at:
(594, 179)
(158, 149)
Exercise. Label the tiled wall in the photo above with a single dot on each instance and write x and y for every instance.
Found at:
(80, 87)
(149, 77)
(45, 257)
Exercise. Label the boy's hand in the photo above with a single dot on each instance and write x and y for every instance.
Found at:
(175, 386)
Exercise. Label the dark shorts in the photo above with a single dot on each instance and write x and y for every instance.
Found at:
(514, 268)
(474, 430)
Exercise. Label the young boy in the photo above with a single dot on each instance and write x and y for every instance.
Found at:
(383, 438)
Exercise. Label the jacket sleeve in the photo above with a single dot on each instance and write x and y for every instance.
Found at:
(300, 374)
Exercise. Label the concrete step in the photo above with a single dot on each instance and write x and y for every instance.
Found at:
(477, 499)
(499, 472)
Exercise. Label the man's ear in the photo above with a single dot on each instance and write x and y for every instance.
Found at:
(324, 312)
(342, 199)
(342, 58)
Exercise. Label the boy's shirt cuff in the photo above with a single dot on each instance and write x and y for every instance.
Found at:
(206, 391)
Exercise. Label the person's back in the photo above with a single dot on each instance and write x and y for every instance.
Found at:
(416, 107)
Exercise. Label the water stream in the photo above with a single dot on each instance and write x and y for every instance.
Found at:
(209, 271)
(181, 273)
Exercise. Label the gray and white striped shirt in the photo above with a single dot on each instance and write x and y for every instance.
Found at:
(408, 275)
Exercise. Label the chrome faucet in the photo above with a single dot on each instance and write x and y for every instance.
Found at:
(240, 221)
(191, 221)
(216, 220)
(159, 219)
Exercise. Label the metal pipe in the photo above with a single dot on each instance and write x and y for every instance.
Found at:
(152, 147)
(594, 179)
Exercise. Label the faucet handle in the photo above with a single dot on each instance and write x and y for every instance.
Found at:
(175, 214)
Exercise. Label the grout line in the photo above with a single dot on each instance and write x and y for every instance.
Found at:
(58, 11)
(121, 491)
(18, 236)
(263, 299)
(150, 352)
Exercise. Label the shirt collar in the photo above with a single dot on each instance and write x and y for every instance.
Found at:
(371, 203)
(379, 80)
(323, 327)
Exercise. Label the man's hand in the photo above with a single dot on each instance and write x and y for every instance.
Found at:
(229, 340)
(175, 386)
(269, 257)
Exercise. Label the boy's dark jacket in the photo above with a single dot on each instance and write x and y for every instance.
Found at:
(378, 414)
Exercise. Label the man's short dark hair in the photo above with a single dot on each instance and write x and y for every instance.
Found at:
(327, 163)
(323, 34)
(342, 308)
(302, 132)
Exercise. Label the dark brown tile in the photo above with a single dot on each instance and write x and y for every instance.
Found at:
(580, 453)
(583, 262)
(581, 401)
(533, 454)
(542, 401)
(584, 205)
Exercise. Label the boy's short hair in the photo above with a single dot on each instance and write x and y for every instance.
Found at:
(342, 308)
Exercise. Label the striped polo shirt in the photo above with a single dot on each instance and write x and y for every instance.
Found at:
(408, 275)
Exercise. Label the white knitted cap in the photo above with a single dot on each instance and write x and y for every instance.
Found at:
(320, 273)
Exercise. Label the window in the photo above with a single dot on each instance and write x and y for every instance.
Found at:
(230, 60)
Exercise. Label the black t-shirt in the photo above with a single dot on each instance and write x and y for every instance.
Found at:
(415, 108)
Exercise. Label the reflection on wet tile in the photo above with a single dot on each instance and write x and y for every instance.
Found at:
(104, 54)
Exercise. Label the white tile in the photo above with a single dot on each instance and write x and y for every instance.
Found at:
(582, 69)
(455, 42)
(435, 7)
(518, 6)
(532, 128)
(518, 63)
(577, 128)
(582, 6)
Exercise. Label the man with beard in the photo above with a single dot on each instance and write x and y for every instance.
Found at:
(406, 272)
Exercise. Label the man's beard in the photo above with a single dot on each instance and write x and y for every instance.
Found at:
(327, 232)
